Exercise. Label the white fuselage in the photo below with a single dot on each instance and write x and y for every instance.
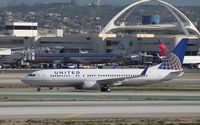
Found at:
(73, 77)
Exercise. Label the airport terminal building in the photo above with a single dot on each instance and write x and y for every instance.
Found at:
(28, 36)
(92, 43)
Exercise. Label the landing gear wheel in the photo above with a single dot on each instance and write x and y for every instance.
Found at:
(105, 89)
(38, 89)
(50, 88)
(108, 89)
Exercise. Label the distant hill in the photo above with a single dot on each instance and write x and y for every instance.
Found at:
(4, 3)
(84, 18)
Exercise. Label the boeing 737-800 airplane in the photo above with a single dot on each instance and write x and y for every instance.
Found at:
(103, 79)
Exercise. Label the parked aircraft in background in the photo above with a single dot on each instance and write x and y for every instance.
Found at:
(79, 58)
(103, 79)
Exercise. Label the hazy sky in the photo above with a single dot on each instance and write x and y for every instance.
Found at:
(123, 2)
(176, 2)
(113, 2)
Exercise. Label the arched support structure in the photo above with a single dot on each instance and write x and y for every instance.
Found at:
(176, 13)
(111, 24)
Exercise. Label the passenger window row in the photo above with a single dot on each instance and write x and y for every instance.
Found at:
(59, 75)
(93, 75)
(113, 75)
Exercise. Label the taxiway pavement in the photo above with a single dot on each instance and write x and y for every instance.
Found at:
(98, 96)
(99, 109)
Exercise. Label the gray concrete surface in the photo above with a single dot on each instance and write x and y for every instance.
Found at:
(98, 96)
(95, 109)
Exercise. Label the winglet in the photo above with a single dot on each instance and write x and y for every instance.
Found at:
(144, 71)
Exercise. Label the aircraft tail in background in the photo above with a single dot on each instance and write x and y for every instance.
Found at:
(122, 47)
(162, 49)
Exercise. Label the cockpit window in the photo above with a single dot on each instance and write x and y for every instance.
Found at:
(32, 75)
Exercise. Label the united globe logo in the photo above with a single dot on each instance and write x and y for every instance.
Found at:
(171, 62)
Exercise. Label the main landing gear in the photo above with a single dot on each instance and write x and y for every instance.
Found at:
(38, 89)
(106, 89)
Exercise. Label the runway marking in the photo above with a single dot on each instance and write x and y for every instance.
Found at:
(74, 115)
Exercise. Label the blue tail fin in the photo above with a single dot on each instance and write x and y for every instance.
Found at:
(174, 60)
(180, 49)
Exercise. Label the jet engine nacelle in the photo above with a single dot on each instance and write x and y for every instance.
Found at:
(91, 85)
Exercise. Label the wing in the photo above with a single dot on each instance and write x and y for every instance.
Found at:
(117, 81)
(114, 81)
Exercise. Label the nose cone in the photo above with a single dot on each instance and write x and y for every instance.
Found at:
(25, 80)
